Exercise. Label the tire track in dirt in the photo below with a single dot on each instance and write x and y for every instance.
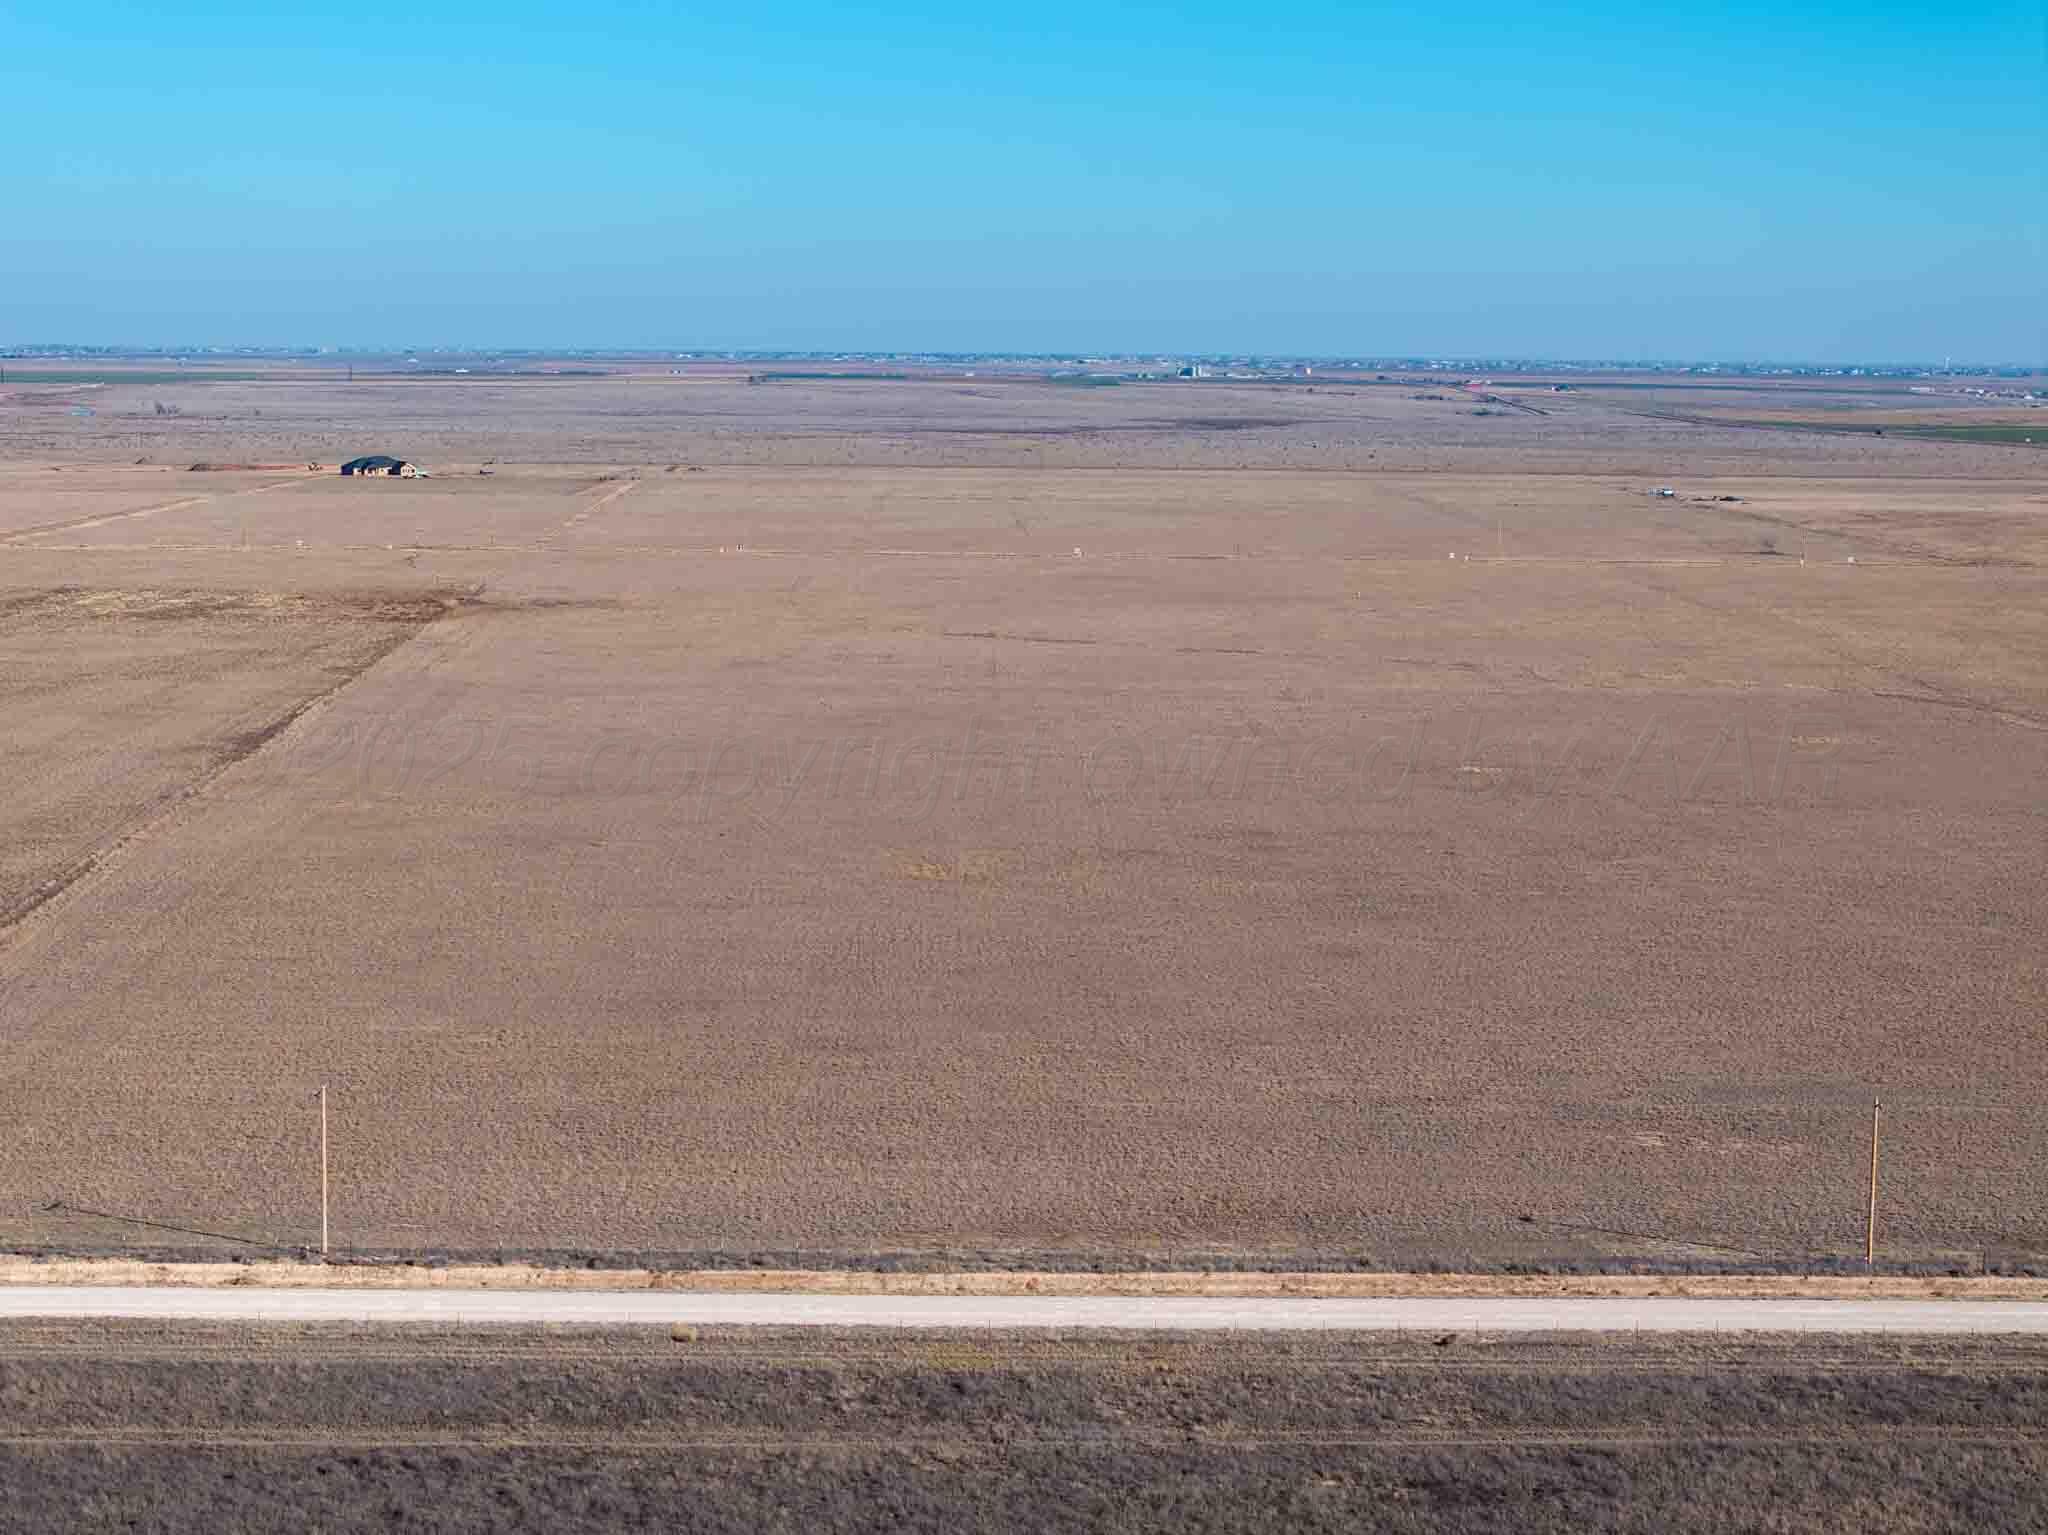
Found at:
(590, 509)
(80, 524)
(77, 524)
(31, 942)
(1931, 693)
(27, 929)
(243, 748)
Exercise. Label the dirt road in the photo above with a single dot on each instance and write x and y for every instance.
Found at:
(1149, 1314)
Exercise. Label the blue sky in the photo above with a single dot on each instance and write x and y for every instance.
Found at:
(1827, 182)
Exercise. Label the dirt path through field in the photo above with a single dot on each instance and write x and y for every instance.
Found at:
(597, 504)
(182, 503)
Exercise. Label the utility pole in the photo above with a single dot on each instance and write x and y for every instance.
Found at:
(1870, 1231)
(323, 1171)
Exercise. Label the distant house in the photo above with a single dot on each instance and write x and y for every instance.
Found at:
(381, 463)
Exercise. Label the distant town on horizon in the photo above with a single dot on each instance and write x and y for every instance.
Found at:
(1058, 359)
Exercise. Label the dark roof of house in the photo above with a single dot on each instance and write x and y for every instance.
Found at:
(371, 461)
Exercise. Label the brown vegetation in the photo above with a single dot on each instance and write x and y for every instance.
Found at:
(172, 1428)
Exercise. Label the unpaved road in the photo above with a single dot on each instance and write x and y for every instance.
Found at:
(1178, 1314)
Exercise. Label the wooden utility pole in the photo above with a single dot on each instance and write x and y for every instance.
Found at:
(1870, 1231)
(323, 1169)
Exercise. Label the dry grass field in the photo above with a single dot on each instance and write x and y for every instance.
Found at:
(149, 1427)
(986, 815)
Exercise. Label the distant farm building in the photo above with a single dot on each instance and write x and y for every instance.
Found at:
(381, 463)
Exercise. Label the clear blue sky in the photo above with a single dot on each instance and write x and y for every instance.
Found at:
(1820, 181)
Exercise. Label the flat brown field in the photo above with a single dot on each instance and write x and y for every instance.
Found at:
(1204, 822)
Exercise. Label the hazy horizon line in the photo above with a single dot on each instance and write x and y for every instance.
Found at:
(15, 350)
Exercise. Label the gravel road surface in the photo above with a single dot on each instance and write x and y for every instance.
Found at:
(1662, 1314)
